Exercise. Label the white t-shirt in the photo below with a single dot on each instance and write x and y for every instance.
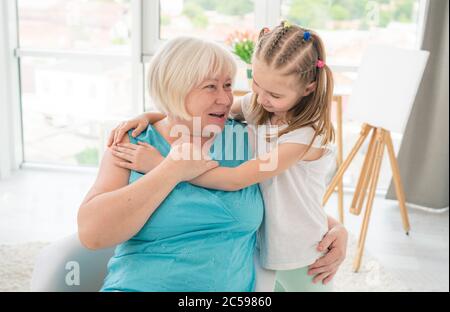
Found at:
(294, 219)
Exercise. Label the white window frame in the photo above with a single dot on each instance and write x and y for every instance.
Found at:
(11, 153)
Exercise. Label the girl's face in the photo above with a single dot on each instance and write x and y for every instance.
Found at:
(276, 92)
(210, 102)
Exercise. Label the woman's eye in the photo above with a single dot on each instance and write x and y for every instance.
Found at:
(228, 86)
(210, 87)
(275, 96)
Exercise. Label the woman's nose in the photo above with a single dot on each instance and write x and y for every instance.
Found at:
(224, 97)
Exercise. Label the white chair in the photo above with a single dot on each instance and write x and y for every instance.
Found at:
(56, 265)
(382, 99)
(66, 266)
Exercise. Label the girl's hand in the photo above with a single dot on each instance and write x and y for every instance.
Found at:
(335, 241)
(139, 124)
(141, 158)
(188, 161)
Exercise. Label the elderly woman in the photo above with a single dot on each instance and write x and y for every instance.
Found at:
(171, 234)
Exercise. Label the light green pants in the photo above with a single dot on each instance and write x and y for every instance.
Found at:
(298, 280)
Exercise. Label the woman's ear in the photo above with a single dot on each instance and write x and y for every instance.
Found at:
(310, 88)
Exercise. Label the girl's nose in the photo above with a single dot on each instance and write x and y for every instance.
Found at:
(262, 99)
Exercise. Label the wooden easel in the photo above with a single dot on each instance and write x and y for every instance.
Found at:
(340, 155)
(368, 180)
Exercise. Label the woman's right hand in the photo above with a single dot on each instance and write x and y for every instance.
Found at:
(139, 124)
(188, 161)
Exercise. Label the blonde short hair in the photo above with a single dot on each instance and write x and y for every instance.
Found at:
(181, 65)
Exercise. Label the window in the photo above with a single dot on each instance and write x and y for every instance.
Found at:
(89, 69)
(68, 89)
(212, 19)
(349, 26)
(75, 25)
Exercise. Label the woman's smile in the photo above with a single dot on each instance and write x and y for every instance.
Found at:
(218, 117)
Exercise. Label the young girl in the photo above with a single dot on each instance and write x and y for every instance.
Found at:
(292, 90)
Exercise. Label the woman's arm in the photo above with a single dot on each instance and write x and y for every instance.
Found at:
(252, 171)
(114, 211)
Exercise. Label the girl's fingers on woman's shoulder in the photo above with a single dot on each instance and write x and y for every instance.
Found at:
(124, 164)
(145, 144)
(128, 145)
(110, 139)
(116, 134)
(120, 131)
(120, 135)
(122, 155)
(139, 129)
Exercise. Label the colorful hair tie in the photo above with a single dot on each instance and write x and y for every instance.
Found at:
(266, 30)
(306, 36)
(320, 64)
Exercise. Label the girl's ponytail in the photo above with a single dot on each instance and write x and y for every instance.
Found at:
(323, 98)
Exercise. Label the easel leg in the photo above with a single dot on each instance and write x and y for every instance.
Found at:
(373, 186)
(340, 159)
(364, 177)
(371, 174)
(398, 182)
(338, 177)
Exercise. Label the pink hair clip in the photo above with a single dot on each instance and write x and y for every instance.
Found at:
(266, 30)
(320, 64)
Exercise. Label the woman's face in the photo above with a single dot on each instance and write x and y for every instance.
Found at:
(209, 103)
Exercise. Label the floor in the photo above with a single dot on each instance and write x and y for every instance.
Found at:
(420, 260)
(41, 205)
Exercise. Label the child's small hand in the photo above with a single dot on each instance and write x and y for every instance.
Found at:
(141, 158)
(139, 124)
(188, 161)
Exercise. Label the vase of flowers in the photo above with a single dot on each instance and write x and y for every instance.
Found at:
(242, 44)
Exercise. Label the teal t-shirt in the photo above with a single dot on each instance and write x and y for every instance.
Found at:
(198, 239)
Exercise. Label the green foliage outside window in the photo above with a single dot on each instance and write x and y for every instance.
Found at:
(196, 15)
(380, 13)
(88, 156)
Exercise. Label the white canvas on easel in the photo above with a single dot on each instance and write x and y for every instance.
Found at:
(382, 99)
(387, 84)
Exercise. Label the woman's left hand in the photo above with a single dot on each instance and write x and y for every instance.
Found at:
(325, 268)
(141, 157)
